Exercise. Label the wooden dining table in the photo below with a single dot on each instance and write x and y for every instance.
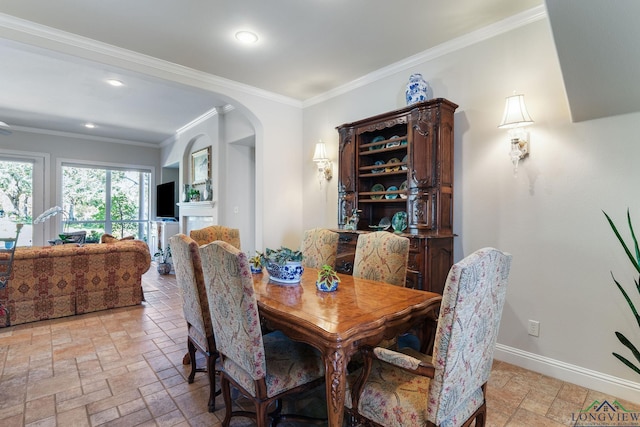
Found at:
(359, 313)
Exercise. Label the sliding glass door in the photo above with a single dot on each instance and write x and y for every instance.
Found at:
(102, 200)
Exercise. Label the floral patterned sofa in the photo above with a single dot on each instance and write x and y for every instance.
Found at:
(56, 281)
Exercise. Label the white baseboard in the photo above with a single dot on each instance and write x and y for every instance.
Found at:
(608, 384)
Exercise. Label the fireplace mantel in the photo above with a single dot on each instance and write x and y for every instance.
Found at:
(196, 208)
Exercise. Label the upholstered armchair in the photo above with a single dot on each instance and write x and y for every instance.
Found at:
(382, 256)
(263, 368)
(188, 266)
(447, 389)
(216, 232)
(319, 247)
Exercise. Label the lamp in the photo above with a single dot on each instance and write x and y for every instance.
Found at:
(515, 118)
(322, 161)
(53, 211)
(5, 129)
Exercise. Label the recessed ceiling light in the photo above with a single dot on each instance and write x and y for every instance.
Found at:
(114, 82)
(89, 125)
(246, 37)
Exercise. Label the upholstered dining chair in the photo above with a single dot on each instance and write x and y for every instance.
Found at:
(216, 232)
(264, 368)
(190, 279)
(319, 247)
(382, 256)
(447, 389)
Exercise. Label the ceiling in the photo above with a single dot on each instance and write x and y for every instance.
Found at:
(306, 49)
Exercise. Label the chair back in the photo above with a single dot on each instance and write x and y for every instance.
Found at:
(468, 322)
(216, 232)
(319, 247)
(233, 307)
(382, 256)
(189, 276)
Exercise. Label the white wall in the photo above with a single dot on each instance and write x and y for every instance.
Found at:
(549, 217)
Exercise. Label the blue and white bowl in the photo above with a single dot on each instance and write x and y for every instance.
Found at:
(289, 273)
(325, 287)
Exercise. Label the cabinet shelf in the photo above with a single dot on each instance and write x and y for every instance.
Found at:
(381, 174)
(402, 148)
(383, 200)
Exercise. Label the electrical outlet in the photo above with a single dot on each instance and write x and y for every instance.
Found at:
(534, 328)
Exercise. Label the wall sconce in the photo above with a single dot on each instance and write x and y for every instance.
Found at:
(323, 162)
(515, 118)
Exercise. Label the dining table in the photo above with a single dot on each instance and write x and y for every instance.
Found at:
(359, 313)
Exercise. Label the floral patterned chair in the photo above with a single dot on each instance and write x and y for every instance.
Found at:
(447, 389)
(216, 232)
(319, 247)
(263, 368)
(382, 256)
(189, 276)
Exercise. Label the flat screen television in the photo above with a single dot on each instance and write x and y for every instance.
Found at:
(166, 200)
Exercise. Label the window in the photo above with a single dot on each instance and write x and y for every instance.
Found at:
(100, 200)
(16, 188)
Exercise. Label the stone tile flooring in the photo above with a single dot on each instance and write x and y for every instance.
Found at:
(124, 367)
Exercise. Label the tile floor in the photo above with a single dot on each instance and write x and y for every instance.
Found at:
(124, 368)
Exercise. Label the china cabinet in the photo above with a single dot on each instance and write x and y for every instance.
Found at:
(400, 164)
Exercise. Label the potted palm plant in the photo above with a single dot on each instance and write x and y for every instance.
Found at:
(327, 279)
(162, 256)
(634, 257)
(284, 265)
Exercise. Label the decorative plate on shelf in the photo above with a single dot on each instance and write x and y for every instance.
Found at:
(392, 168)
(377, 227)
(377, 187)
(399, 221)
(378, 162)
(377, 139)
(385, 223)
(404, 160)
(391, 196)
(393, 144)
(403, 187)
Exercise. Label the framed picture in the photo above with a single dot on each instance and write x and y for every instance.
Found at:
(200, 166)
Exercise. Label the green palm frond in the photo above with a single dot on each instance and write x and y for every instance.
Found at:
(626, 362)
(629, 345)
(633, 260)
(626, 296)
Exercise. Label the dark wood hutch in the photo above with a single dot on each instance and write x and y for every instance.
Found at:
(401, 161)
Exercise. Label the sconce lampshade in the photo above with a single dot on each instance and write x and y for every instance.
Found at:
(515, 113)
(320, 154)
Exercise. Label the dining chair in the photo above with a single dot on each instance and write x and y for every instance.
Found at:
(216, 232)
(382, 256)
(190, 279)
(263, 368)
(319, 247)
(409, 388)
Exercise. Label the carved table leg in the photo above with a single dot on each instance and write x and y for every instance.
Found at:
(335, 365)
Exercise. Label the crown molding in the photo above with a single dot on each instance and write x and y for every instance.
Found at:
(83, 136)
(516, 21)
(24, 31)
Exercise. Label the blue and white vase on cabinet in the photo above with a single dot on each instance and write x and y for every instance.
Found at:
(417, 89)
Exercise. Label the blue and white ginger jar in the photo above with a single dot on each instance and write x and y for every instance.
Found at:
(417, 89)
